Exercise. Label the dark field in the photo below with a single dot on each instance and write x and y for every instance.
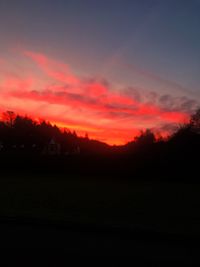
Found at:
(150, 222)
(167, 207)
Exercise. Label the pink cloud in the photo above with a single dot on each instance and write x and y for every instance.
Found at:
(54, 69)
(88, 104)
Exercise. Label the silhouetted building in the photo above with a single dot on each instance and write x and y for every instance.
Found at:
(52, 148)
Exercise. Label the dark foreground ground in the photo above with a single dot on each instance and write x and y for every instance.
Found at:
(35, 243)
(57, 220)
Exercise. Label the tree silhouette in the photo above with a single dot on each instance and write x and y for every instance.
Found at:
(9, 117)
(195, 121)
(20, 136)
(146, 138)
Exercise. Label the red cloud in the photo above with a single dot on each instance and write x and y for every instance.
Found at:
(85, 105)
(12, 82)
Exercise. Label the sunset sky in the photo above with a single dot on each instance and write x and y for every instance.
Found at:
(108, 68)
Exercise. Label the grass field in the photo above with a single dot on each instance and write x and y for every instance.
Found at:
(167, 207)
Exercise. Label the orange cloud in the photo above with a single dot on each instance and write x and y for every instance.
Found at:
(87, 105)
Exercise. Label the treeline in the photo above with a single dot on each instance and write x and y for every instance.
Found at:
(23, 135)
(25, 144)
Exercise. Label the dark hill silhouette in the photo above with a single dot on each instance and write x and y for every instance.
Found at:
(17, 132)
(39, 146)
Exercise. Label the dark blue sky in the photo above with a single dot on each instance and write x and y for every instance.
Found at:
(159, 36)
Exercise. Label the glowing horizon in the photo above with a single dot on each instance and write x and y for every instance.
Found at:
(52, 91)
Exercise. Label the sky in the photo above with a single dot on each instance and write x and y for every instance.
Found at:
(108, 68)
